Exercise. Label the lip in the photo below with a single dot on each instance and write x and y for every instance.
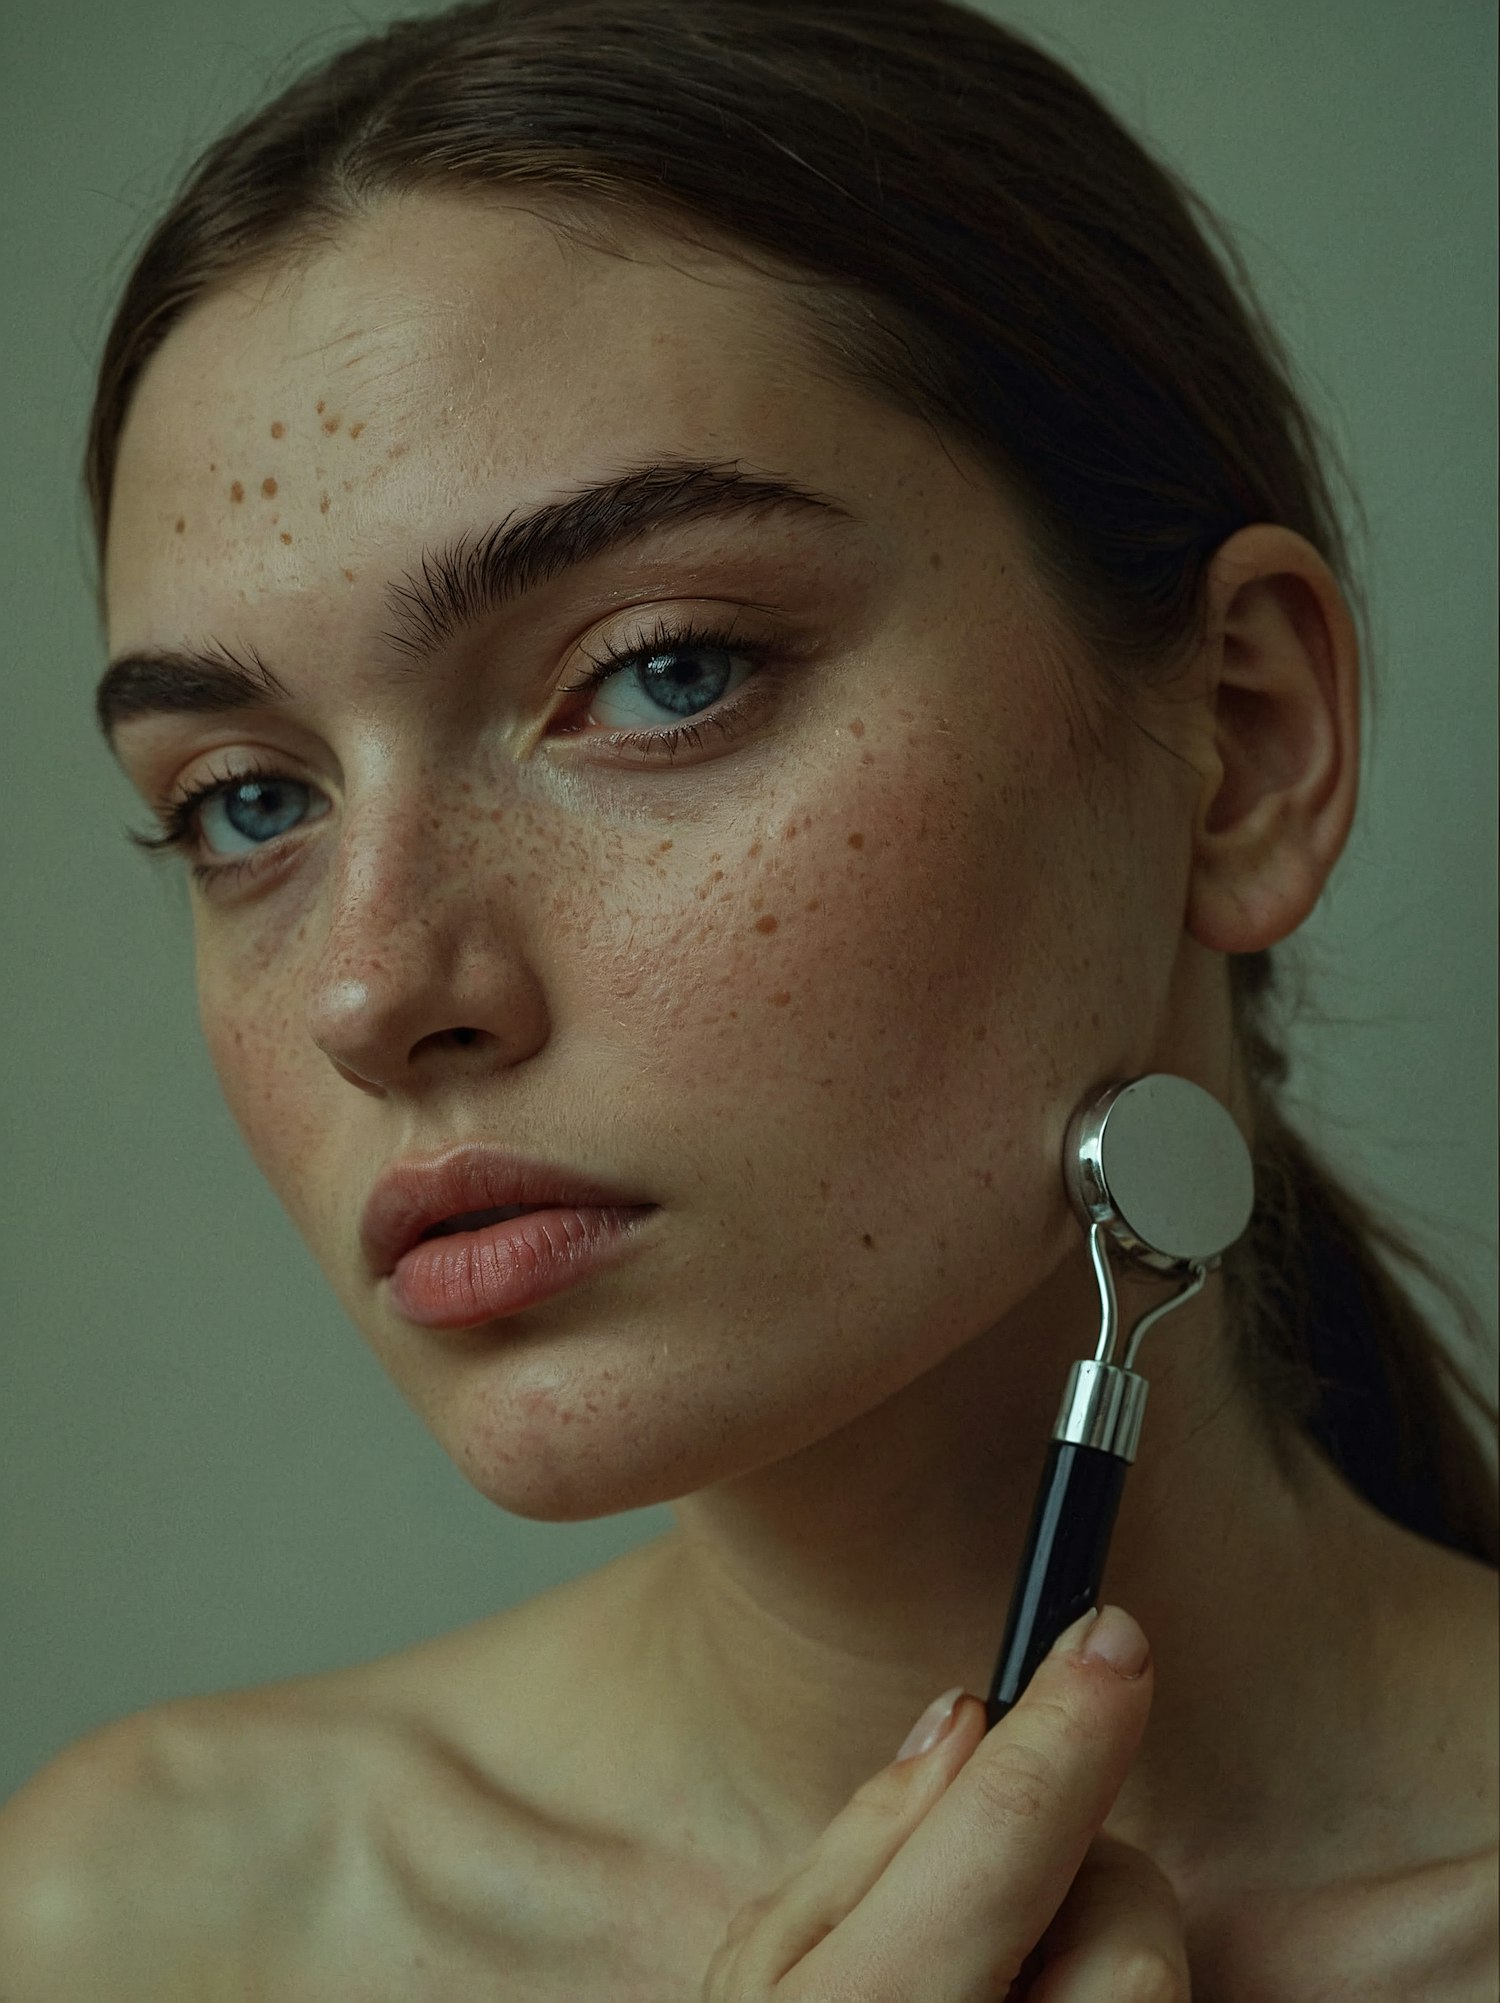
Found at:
(480, 1276)
(412, 1196)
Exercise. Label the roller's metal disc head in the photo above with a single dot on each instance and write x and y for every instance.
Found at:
(1162, 1165)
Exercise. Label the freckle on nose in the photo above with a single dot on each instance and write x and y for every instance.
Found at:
(856, 841)
(236, 492)
(268, 488)
(278, 430)
(766, 924)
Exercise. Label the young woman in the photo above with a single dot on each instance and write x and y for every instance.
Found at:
(732, 614)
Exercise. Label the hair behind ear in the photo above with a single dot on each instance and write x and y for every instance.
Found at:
(1330, 1341)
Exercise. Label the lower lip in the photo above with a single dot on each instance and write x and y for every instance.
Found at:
(471, 1277)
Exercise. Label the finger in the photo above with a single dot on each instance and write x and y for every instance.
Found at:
(771, 1934)
(1005, 1841)
(1119, 1935)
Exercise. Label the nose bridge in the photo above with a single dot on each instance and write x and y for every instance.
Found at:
(422, 930)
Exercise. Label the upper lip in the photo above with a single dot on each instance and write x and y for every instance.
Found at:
(412, 1196)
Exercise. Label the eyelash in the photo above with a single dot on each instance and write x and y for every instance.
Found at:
(178, 818)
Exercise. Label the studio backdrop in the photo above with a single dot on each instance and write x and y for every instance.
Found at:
(206, 1481)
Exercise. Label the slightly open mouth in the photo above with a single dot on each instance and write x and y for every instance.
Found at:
(475, 1220)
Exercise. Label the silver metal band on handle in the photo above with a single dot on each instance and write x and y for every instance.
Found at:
(1102, 1407)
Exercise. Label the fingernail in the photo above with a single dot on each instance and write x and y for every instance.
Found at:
(931, 1726)
(1117, 1640)
(1067, 1642)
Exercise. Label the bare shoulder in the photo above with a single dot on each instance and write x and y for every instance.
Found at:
(402, 1829)
(108, 1858)
(54, 1835)
(275, 1842)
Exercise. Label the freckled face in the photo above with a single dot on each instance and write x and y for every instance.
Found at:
(826, 988)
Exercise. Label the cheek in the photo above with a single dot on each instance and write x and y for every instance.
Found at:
(268, 1070)
(869, 988)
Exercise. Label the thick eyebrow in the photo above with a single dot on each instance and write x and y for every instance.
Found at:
(457, 584)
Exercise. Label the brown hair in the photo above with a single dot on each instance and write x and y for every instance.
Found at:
(973, 237)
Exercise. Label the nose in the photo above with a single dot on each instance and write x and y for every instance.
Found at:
(424, 965)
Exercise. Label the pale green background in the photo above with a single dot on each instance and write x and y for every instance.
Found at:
(205, 1479)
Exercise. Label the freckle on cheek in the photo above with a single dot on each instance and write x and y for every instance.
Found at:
(856, 841)
(323, 505)
(278, 430)
(778, 1001)
(766, 924)
(856, 729)
(181, 524)
(330, 424)
(268, 488)
(284, 536)
(236, 492)
(356, 429)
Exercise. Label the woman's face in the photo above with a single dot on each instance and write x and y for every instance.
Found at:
(824, 984)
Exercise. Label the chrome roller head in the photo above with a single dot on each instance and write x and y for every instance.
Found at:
(1160, 1165)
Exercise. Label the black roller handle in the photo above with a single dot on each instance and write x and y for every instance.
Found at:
(1062, 1564)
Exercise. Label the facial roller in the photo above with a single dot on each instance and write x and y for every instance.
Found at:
(1160, 1175)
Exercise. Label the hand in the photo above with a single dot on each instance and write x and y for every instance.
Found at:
(954, 1872)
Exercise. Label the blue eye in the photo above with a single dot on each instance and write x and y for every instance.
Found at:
(255, 807)
(684, 681)
(256, 810)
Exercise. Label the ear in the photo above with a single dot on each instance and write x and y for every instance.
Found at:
(1280, 760)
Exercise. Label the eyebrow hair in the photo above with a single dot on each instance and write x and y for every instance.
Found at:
(457, 584)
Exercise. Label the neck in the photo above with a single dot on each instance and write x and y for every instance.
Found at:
(805, 1614)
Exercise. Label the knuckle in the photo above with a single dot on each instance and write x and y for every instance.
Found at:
(1062, 1724)
(879, 1801)
(1019, 1786)
(1144, 1975)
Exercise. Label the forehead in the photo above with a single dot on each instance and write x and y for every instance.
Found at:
(445, 343)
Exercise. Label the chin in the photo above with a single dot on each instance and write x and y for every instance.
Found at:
(567, 1456)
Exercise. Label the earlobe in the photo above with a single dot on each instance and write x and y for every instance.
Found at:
(1280, 779)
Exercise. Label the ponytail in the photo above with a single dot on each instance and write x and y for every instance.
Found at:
(1329, 1340)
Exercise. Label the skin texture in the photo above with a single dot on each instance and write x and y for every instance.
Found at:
(841, 1341)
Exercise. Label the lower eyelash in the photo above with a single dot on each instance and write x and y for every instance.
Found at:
(178, 819)
(178, 816)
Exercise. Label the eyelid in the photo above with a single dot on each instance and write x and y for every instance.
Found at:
(179, 811)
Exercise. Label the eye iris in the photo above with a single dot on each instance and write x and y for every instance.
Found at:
(273, 798)
(673, 681)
